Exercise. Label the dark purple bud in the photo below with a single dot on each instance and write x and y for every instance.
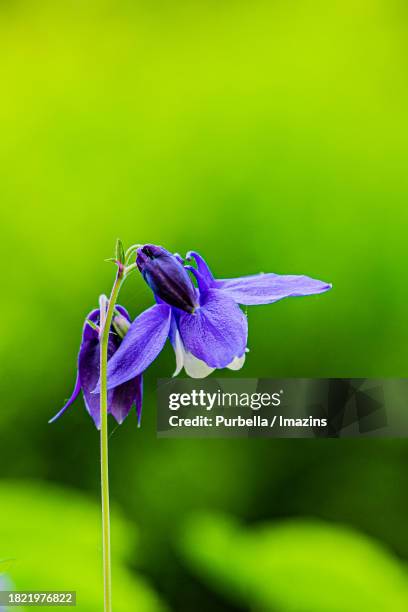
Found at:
(167, 277)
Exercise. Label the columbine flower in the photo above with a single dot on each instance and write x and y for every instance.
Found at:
(206, 326)
(120, 399)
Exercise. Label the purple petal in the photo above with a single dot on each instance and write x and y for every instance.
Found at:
(202, 283)
(122, 398)
(88, 334)
(88, 362)
(139, 400)
(122, 311)
(88, 374)
(204, 276)
(268, 288)
(141, 345)
(217, 332)
(88, 366)
(73, 397)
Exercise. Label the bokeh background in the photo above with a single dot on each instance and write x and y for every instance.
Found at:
(270, 136)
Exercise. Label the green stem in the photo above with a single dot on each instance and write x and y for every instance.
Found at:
(104, 340)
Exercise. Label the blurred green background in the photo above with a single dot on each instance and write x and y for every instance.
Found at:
(270, 136)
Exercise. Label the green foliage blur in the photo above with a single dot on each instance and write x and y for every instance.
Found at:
(270, 136)
(283, 567)
(51, 538)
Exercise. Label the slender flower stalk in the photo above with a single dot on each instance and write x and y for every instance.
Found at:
(104, 341)
(107, 314)
(106, 322)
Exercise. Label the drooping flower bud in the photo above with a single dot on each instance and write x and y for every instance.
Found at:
(167, 277)
(120, 398)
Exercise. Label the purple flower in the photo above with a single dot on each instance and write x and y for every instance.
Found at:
(123, 396)
(206, 326)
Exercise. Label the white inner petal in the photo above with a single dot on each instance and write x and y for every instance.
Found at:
(236, 363)
(179, 350)
(196, 368)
